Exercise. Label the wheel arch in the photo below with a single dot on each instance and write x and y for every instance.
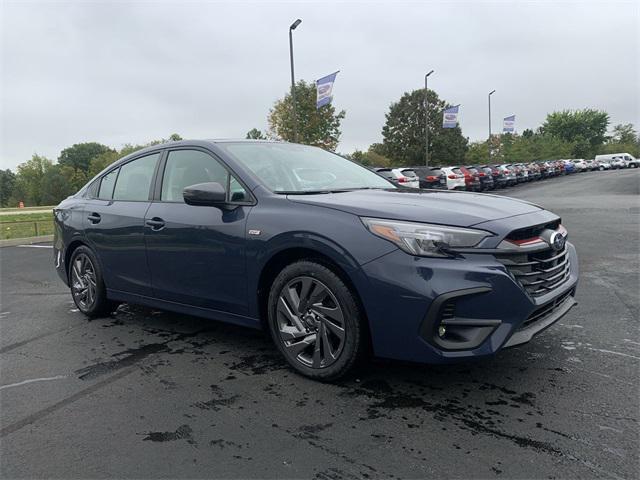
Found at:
(288, 256)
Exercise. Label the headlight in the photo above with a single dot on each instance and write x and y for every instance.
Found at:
(424, 239)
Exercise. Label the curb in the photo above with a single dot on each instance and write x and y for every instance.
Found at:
(12, 242)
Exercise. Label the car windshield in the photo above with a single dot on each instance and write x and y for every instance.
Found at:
(299, 169)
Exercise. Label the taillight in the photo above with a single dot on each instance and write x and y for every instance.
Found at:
(403, 179)
(481, 175)
(432, 178)
(452, 176)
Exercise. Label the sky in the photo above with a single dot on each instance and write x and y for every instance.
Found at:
(121, 72)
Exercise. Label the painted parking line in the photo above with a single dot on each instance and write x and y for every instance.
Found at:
(35, 246)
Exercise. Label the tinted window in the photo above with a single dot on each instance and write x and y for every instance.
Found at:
(189, 167)
(135, 177)
(106, 185)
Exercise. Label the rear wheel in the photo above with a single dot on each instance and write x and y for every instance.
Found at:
(315, 321)
(87, 286)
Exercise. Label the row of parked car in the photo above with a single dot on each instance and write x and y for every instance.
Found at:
(490, 177)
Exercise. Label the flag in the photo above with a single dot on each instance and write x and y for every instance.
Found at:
(450, 117)
(509, 124)
(324, 88)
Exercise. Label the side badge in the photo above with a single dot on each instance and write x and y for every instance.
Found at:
(255, 232)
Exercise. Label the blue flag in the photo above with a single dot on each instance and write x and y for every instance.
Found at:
(324, 88)
(509, 124)
(450, 117)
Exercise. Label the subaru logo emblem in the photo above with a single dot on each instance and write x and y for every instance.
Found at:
(557, 241)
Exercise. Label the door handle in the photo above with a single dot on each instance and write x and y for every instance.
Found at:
(94, 218)
(155, 223)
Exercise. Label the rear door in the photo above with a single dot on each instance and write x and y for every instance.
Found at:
(114, 224)
(197, 253)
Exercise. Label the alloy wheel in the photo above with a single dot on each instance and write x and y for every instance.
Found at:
(310, 322)
(83, 282)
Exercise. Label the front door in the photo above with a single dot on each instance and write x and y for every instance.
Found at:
(196, 254)
(115, 225)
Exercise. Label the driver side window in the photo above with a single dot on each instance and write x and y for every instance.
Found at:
(189, 167)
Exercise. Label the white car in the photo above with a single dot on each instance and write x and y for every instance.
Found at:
(403, 177)
(618, 162)
(455, 179)
(581, 165)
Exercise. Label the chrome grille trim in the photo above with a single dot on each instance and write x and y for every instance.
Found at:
(538, 272)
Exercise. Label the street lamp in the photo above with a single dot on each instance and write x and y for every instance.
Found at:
(426, 120)
(293, 26)
(489, 143)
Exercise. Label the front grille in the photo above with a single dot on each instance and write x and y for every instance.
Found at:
(531, 232)
(448, 310)
(544, 311)
(538, 272)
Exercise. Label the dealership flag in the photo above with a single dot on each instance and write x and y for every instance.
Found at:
(450, 117)
(509, 124)
(324, 87)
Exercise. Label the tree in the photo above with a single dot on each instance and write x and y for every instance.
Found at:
(586, 128)
(624, 133)
(29, 179)
(404, 132)
(79, 155)
(319, 127)
(255, 134)
(7, 182)
(370, 158)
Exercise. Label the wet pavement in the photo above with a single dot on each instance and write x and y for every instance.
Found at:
(145, 393)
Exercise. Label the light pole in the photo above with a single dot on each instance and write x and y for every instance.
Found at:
(293, 26)
(426, 119)
(489, 143)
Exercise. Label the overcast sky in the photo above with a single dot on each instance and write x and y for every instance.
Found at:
(118, 72)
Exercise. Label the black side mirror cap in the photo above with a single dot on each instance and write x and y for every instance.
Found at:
(209, 194)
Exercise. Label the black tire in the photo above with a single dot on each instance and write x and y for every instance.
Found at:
(315, 321)
(87, 285)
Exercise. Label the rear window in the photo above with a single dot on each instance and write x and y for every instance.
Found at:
(457, 171)
(407, 172)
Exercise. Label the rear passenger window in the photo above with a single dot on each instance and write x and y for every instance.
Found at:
(106, 185)
(135, 178)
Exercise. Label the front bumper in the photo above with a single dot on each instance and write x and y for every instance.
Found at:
(481, 305)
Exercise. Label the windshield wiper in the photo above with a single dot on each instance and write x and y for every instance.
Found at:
(309, 192)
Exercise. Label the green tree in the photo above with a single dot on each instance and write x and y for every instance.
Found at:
(319, 127)
(29, 180)
(370, 158)
(102, 161)
(586, 129)
(255, 134)
(7, 182)
(404, 132)
(624, 133)
(79, 155)
(57, 184)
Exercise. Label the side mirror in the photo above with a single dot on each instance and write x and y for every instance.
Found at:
(210, 194)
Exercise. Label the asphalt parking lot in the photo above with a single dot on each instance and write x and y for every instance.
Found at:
(151, 394)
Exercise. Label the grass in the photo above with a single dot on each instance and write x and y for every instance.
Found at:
(25, 224)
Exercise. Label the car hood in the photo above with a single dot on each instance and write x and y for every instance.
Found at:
(427, 206)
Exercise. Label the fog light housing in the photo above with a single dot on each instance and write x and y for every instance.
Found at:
(442, 330)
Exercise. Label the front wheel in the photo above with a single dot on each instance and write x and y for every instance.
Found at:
(87, 286)
(315, 321)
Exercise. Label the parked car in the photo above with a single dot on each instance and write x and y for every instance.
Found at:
(455, 179)
(472, 182)
(431, 177)
(486, 181)
(618, 163)
(581, 165)
(499, 178)
(569, 166)
(326, 255)
(403, 177)
(627, 159)
(509, 173)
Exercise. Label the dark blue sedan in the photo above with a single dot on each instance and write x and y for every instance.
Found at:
(331, 258)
